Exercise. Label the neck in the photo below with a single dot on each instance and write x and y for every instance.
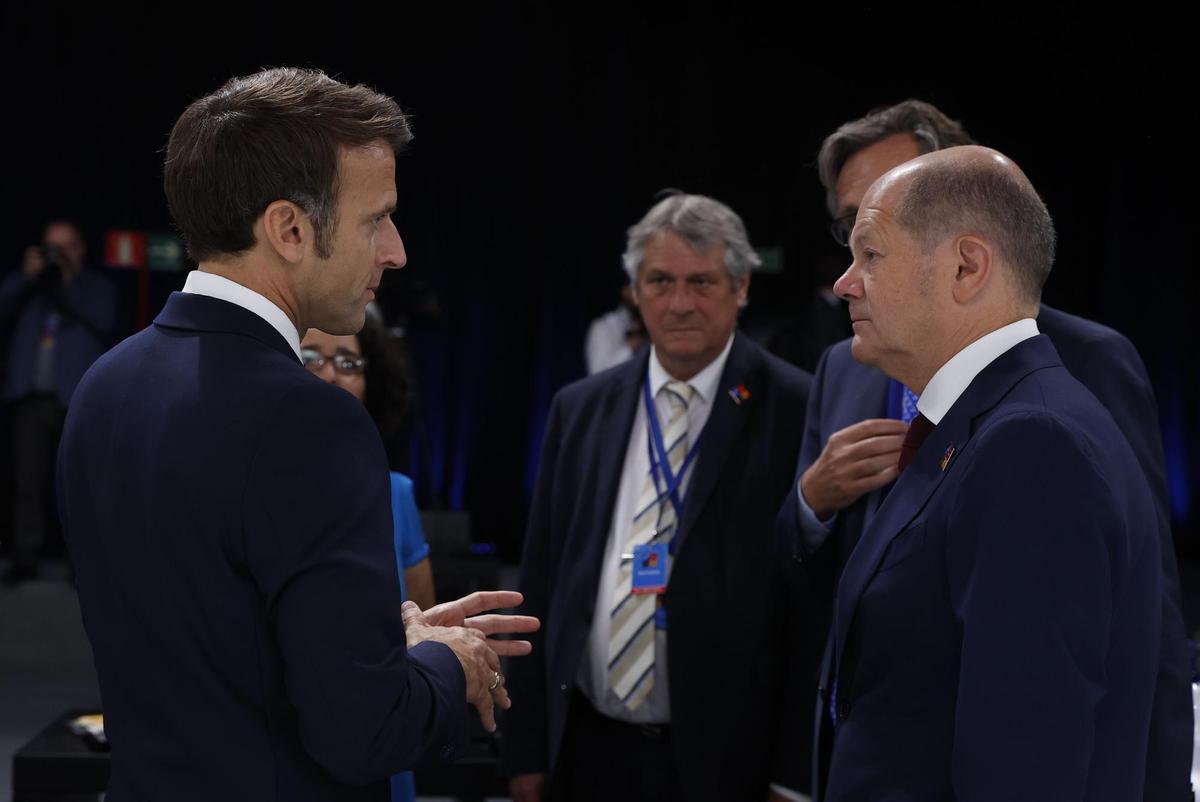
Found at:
(685, 369)
(264, 282)
(967, 332)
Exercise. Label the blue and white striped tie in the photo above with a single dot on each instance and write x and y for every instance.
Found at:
(631, 625)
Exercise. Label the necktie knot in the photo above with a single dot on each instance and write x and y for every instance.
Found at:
(679, 394)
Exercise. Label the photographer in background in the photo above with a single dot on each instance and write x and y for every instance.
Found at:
(56, 318)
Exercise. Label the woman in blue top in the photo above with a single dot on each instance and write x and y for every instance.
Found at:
(369, 368)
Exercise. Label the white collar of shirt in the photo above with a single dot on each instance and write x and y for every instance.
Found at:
(952, 378)
(703, 383)
(221, 288)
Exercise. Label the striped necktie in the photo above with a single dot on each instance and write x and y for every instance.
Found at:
(631, 625)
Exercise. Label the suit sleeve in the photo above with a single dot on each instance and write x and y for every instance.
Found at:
(318, 541)
(1039, 554)
(524, 748)
(797, 535)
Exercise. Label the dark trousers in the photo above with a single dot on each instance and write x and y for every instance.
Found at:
(36, 426)
(603, 760)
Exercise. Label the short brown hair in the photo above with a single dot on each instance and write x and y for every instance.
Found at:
(924, 122)
(274, 135)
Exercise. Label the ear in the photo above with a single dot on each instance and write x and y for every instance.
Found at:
(288, 230)
(976, 260)
(633, 288)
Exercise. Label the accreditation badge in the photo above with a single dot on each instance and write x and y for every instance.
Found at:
(649, 568)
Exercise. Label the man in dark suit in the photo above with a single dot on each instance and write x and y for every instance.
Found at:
(997, 627)
(857, 419)
(228, 513)
(650, 534)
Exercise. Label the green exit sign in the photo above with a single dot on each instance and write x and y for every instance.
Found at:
(772, 260)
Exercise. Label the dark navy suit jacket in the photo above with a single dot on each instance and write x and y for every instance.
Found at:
(735, 636)
(228, 517)
(845, 392)
(997, 628)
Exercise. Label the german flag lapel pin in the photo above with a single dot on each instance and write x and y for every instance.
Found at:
(739, 393)
(949, 455)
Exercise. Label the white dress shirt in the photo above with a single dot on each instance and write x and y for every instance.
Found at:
(214, 286)
(953, 378)
(593, 667)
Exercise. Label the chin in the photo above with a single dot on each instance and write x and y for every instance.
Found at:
(349, 323)
(862, 352)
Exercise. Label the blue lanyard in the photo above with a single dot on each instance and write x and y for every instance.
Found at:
(659, 461)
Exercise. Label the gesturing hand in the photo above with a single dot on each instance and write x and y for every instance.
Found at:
(480, 664)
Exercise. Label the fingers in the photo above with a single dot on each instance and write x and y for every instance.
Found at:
(871, 427)
(872, 466)
(483, 600)
(876, 480)
(487, 711)
(411, 614)
(510, 648)
(502, 624)
(446, 614)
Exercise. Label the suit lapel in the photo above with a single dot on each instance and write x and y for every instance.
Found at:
(615, 416)
(937, 458)
(721, 432)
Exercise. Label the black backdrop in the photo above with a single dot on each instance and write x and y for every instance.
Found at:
(541, 135)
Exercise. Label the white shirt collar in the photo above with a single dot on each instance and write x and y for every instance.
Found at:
(703, 383)
(952, 378)
(221, 288)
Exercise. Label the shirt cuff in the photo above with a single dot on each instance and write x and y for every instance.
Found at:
(813, 530)
(788, 793)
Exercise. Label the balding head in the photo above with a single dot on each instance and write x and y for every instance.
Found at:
(980, 191)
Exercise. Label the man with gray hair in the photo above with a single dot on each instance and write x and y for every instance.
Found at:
(650, 534)
(858, 418)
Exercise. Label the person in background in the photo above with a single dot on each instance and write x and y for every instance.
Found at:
(675, 662)
(369, 367)
(57, 318)
(615, 336)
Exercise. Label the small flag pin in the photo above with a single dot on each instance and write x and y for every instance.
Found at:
(947, 456)
(739, 393)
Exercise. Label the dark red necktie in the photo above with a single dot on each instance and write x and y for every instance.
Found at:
(918, 430)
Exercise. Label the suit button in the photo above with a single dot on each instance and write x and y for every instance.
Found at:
(562, 687)
(843, 710)
(447, 751)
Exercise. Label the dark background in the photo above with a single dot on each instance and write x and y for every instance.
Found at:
(541, 136)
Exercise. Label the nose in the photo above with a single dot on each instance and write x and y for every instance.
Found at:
(391, 248)
(681, 299)
(849, 284)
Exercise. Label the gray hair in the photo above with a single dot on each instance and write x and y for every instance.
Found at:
(946, 198)
(701, 222)
(926, 123)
